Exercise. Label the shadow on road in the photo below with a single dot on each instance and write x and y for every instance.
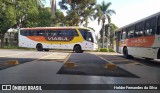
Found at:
(152, 63)
(4, 65)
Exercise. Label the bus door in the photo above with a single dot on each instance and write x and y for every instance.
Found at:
(118, 34)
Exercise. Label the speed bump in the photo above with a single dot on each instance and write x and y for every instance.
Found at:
(12, 62)
(70, 64)
(110, 66)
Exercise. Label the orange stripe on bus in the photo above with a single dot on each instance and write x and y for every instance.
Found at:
(146, 41)
(37, 38)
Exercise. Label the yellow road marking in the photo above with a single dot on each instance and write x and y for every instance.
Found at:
(66, 59)
(104, 59)
(61, 56)
(46, 57)
(42, 57)
(120, 60)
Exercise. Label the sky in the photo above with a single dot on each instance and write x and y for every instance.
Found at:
(127, 11)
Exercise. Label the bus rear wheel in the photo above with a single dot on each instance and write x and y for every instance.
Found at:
(39, 47)
(78, 49)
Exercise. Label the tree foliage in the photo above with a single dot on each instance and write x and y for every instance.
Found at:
(40, 19)
(59, 18)
(78, 11)
(20, 13)
(7, 17)
(103, 13)
(109, 32)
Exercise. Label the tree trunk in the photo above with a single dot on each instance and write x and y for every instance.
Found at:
(103, 35)
(108, 38)
(2, 41)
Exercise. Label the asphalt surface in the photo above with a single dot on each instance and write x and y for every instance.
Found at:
(43, 67)
(90, 64)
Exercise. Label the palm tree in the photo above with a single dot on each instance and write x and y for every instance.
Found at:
(79, 10)
(103, 13)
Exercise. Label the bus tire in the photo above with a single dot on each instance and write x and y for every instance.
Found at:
(78, 49)
(46, 49)
(39, 47)
(158, 54)
(149, 59)
(125, 53)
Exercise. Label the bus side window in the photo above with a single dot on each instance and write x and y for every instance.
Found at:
(62, 33)
(30, 33)
(72, 32)
(124, 34)
(75, 33)
(49, 33)
(54, 33)
(150, 26)
(139, 29)
(40, 33)
(158, 25)
(24, 32)
(130, 31)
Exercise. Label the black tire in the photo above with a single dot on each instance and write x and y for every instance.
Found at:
(78, 49)
(149, 59)
(39, 47)
(125, 53)
(158, 54)
(46, 49)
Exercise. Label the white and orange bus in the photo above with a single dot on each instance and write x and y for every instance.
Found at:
(45, 38)
(140, 39)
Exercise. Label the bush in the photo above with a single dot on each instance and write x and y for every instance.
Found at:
(103, 50)
(16, 47)
(10, 47)
(111, 50)
(106, 50)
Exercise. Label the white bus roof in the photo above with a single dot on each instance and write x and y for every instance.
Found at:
(71, 27)
(154, 15)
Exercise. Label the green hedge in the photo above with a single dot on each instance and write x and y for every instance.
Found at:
(105, 50)
(10, 47)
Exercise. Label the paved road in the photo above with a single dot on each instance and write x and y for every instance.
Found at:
(43, 68)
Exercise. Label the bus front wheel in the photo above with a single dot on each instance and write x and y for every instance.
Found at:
(125, 53)
(78, 49)
(39, 47)
(158, 54)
